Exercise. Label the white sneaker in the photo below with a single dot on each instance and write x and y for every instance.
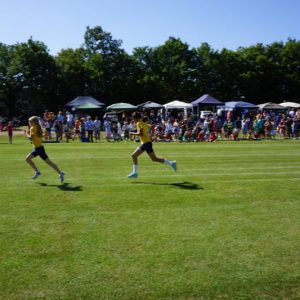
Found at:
(36, 175)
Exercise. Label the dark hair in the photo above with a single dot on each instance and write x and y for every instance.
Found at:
(136, 116)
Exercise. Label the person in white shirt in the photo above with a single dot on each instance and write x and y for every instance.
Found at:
(97, 128)
(89, 127)
(169, 129)
(107, 127)
(69, 121)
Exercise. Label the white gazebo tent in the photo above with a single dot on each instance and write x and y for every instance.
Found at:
(178, 105)
(290, 104)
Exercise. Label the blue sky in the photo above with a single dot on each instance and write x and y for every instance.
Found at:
(227, 24)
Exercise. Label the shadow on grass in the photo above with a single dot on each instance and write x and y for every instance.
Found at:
(186, 185)
(64, 187)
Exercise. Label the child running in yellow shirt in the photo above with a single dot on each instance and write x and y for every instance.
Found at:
(146, 145)
(35, 134)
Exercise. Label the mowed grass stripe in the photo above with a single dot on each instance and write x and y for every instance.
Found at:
(226, 225)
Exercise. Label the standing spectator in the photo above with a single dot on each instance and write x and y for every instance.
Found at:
(217, 127)
(82, 129)
(60, 117)
(245, 127)
(89, 127)
(268, 129)
(206, 126)
(97, 128)
(69, 121)
(47, 126)
(288, 127)
(238, 125)
(229, 115)
(107, 128)
(126, 129)
(77, 129)
(9, 128)
(228, 129)
(292, 113)
(281, 128)
(169, 130)
(58, 130)
(175, 129)
(259, 130)
(273, 129)
(296, 127)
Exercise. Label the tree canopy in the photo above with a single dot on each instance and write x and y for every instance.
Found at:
(32, 80)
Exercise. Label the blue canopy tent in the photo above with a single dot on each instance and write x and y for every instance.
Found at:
(240, 105)
(206, 100)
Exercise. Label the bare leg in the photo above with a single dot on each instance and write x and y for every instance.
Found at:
(53, 165)
(155, 158)
(31, 163)
(135, 155)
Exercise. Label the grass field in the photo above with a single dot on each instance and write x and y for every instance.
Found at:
(226, 225)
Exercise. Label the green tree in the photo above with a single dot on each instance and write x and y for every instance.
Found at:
(147, 84)
(261, 73)
(228, 68)
(6, 89)
(96, 40)
(109, 67)
(290, 66)
(173, 65)
(208, 78)
(72, 74)
(32, 76)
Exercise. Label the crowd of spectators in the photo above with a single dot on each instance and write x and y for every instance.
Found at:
(222, 125)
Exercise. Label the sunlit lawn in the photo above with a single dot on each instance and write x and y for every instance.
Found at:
(226, 225)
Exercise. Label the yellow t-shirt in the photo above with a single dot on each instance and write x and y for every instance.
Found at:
(144, 128)
(36, 140)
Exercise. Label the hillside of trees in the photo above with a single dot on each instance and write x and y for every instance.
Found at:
(32, 80)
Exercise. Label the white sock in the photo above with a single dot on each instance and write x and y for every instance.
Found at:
(167, 162)
(134, 169)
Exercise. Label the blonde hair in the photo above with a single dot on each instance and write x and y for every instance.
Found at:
(35, 121)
